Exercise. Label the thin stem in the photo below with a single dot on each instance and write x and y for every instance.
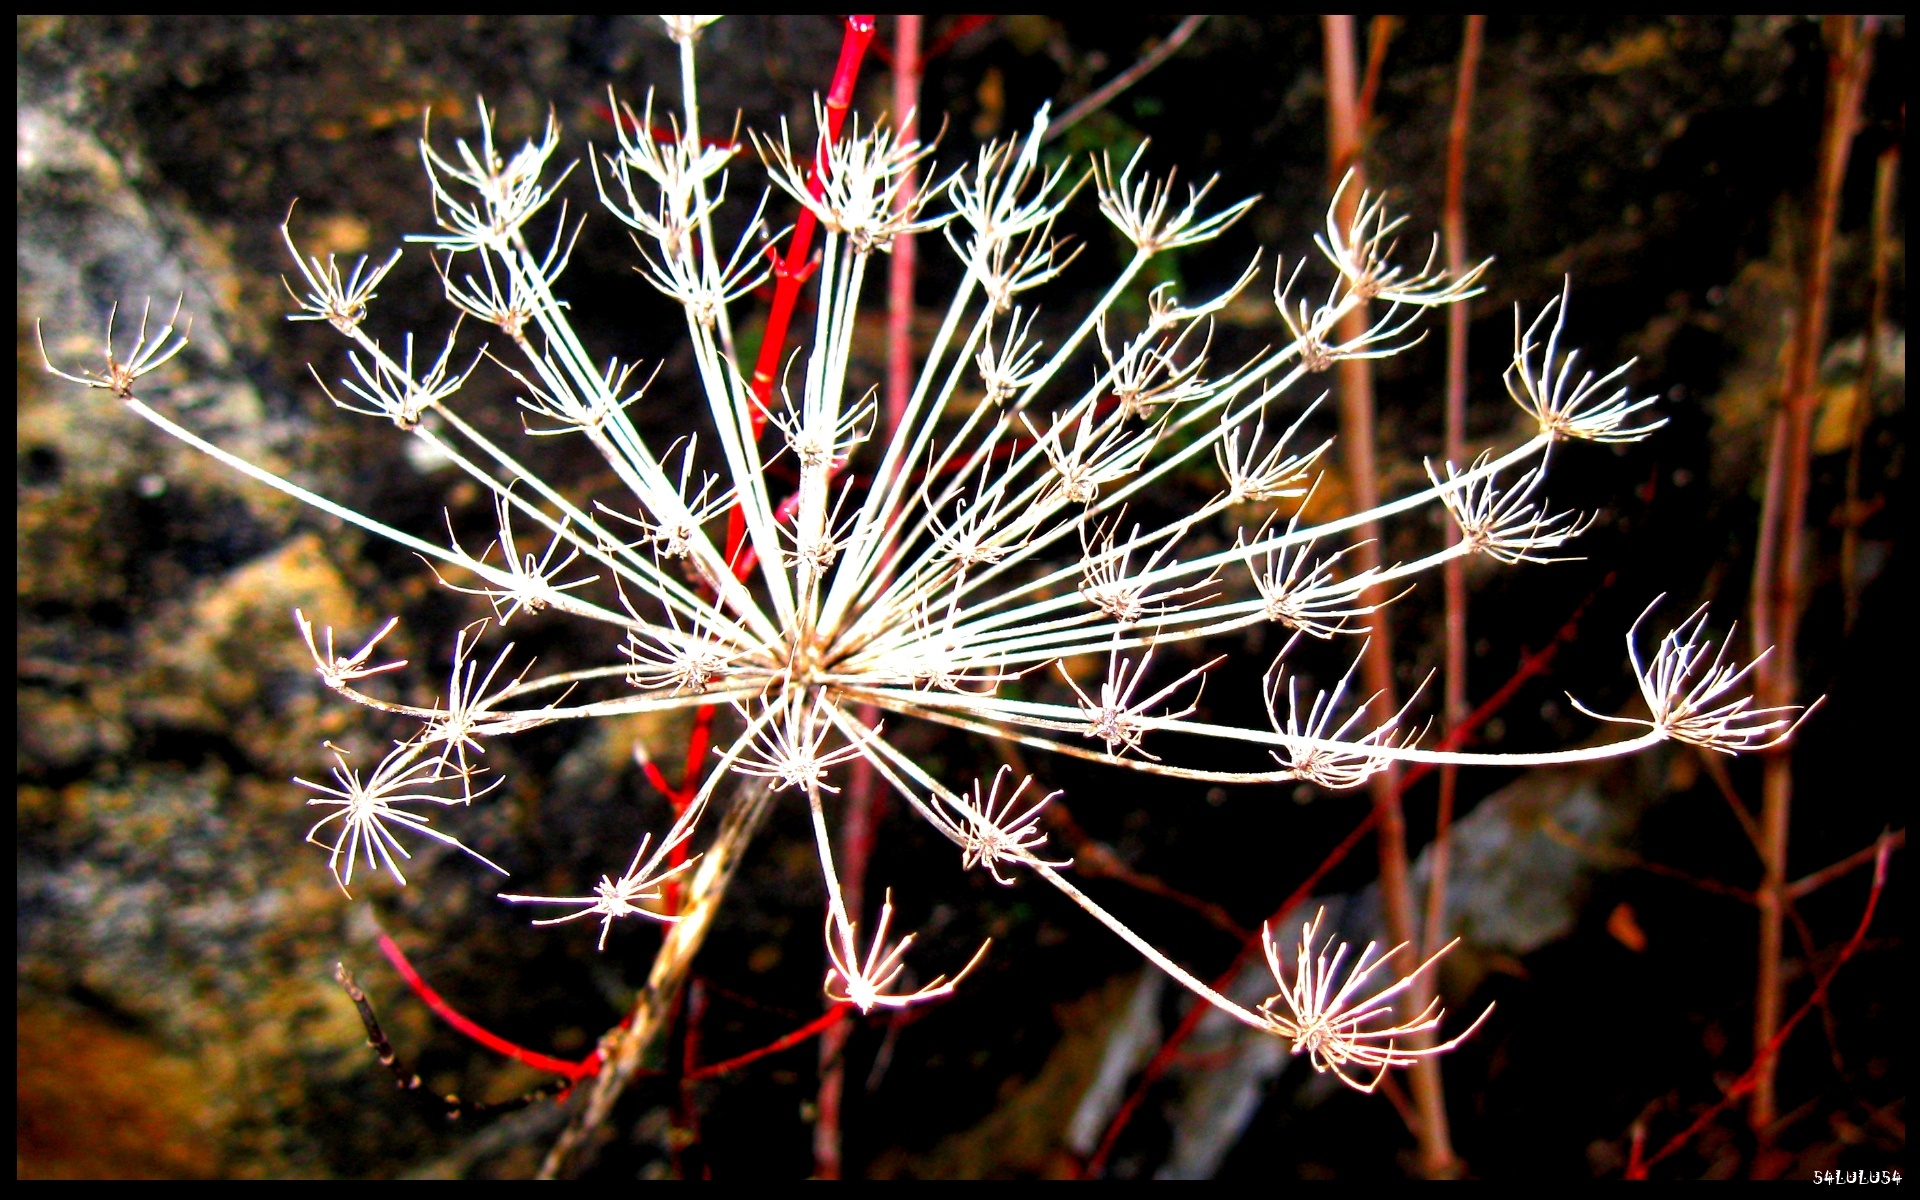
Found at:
(1768, 1053)
(687, 1115)
(1723, 783)
(900, 271)
(571, 1071)
(1100, 97)
(1779, 572)
(650, 1019)
(1347, 122)
(1453, 572)
(861, 811)
(792, 271)
(1886, 177)
(1180, 974)
(1813, 882)
(821, 1024)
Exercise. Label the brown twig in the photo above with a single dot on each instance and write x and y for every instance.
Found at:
(1380, 31)
(1764, 1059)
(1808, 945)
(651, 1017)
(1104, 94)
(1615, 857)
(1806, 884)
(451, 1106)
(1717, 771)
(1779, 579)
(900, 271)
(1880, 246)
(1453, 223)
(1347, 122)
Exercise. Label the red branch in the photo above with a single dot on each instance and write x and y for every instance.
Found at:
(811, 1029)
(792, 271)
(574, 1071)
(1637, 1165)
(590, 1065)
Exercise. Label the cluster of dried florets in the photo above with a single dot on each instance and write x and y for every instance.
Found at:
(934, 583)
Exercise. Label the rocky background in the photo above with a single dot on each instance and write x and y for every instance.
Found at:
(176, 1012)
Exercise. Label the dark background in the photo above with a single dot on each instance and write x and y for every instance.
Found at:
(176, 1012)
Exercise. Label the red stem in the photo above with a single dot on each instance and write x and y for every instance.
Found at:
(575, 1071)
(836, 1013)
(1880, 248)
(689, 1107)
(859, 32)
(629, 123)
(1349, 116)
(790, 272)
(900, 271)
(960, 27)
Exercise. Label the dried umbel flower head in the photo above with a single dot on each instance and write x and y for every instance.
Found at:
(1507, 525)
(863, 982)
(995, 831)
(365, 808)
(147, 356)
(1564, 408)
(1317, 751)
(1342, 1025)
(1693, 692)
(962, 566)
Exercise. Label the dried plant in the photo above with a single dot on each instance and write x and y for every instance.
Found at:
(939, 582)
(1338, 1030)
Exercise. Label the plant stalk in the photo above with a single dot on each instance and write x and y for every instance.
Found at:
(1454, 232)
(643, 1034)
(1886, 177)
(1779, 581)
(1347, 120)
(864, 793)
